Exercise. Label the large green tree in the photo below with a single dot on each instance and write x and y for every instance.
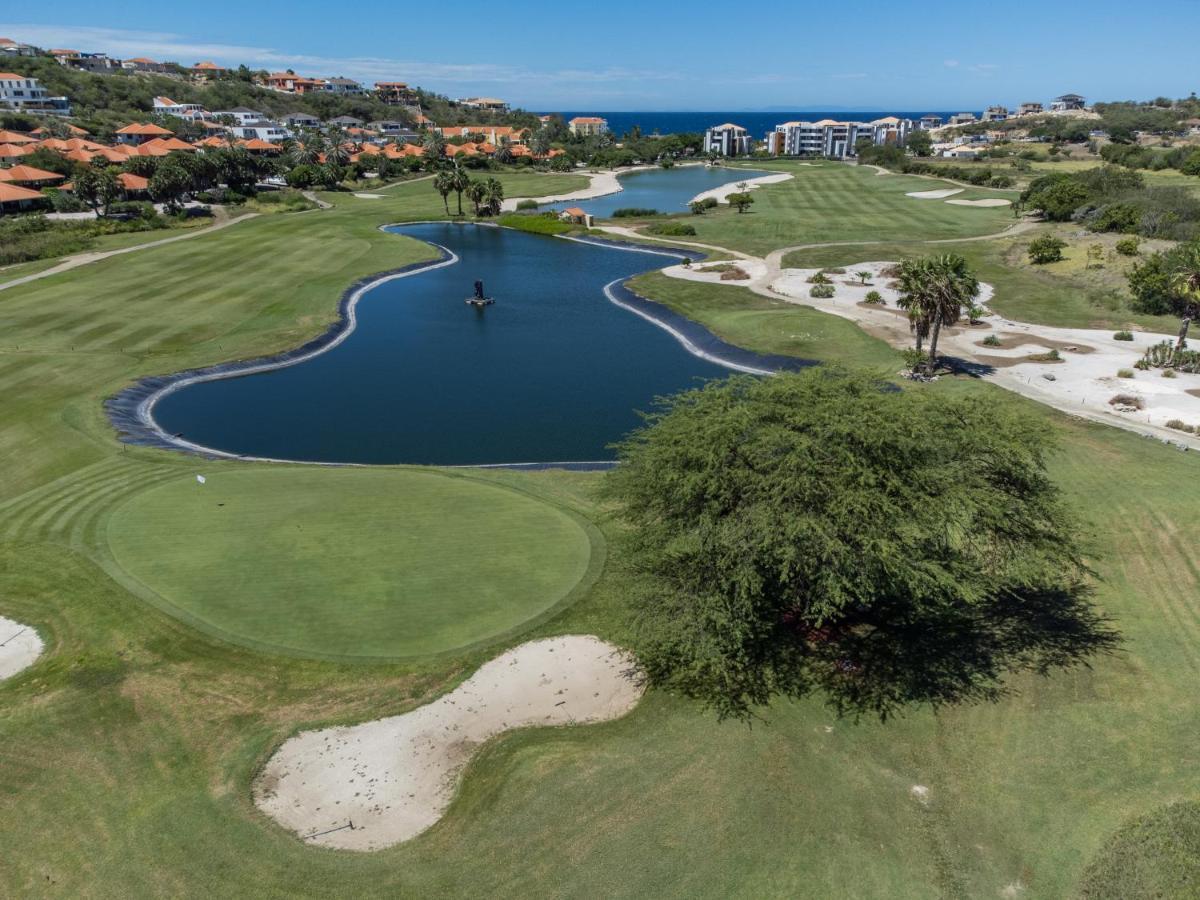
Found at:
(934, 290)
(827, 532)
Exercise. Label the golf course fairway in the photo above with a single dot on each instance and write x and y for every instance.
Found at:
(350, 563)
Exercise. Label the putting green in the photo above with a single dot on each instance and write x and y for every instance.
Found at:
(354, 563)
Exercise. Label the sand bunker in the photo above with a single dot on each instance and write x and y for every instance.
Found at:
(991, 201)
(721, 194)
(934, 195)
(20, 645)
(369, 786)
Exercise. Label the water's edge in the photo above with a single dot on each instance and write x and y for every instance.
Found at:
(131, 410)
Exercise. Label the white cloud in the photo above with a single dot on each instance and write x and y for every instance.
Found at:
(950, 63)
(851, 75)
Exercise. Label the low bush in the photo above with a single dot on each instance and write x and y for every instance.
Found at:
(634, 212)
(526, 204)
(1048, 356)
(1046, 249)
(991, 341)
(874, 297)
(1180, 425)
(1128, 246)
(672, 229)
(818, 278)
(1168, 373)
(821, 291)
(975, 314)
(1123, 336)
(29, 238)
(1124, 373)
(1127, 401)
(546, 223)
(914, 358)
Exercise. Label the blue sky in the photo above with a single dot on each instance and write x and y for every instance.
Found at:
(649, 55)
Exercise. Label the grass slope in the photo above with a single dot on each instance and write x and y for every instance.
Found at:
(836, 202)
(352, 562)
(129, 749)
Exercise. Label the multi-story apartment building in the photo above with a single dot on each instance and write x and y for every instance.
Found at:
(1067, 102)
(10, 47)
(1029, 109)
(588, 125)
(727, 140)
(995, 114)
(395, 93)
(27, 95)
(931, 122)
(833, 139)
(963, 118)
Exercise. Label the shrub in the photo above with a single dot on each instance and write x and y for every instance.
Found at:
(1046, 249)
(1048, 356)
(526, 204)
(1123, 336)
(634, 212)
(542, 224)
(821, 291)
(1124, 373)
(1128, 246)
(1168, 373)
(914, 359)
(1127, 401)
(874, 297)
(819, 278)
(1180, 425)
(991, 341)
(975, 313)
(1142, 365)
(673, 229)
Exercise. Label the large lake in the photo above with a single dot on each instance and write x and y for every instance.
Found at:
(667, 190)
(552, 372)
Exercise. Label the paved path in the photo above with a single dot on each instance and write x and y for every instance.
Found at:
(83, 259)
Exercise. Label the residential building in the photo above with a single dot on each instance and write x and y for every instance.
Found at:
(493, 134)
(346, 87)
(995, 114)
(240, 115)
(145, 64)
(61, 55)
(588, 125)
(1029, 109)
(261, 130)
(346, 122)
(165, 106)
(963, 118)
(833, 139)
(9, 47)
(96, 63)
(282, 81)
(1066, 103)
(727, 140)
(207, 71)
(27, 95)
(139, 133)
(930, 122)
(395, 93)
(401, 131)
(301, 120)
(490, 104)
(575, 216)
(18, 199)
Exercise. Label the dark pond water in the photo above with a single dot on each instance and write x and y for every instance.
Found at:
(552, 372)
(667, 190)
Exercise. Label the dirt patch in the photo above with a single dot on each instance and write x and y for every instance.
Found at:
(370, 786)
(1007, 362)
(1017, 339)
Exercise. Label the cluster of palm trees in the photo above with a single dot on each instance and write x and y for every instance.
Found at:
(485, 194)
(934, 290)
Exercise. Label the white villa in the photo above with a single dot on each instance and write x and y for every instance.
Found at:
(833, 139)
(165, 106)
(588, 125)
(1066, 103)
(27, 95)
(727, 140)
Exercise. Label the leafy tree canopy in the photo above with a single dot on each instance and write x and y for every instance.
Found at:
(824, 532)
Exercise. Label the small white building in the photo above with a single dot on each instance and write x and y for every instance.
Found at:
(264, 130)
(995, 114)
(963, 118)
(26, 94)
(301, 120)
(240, 115)
(588, 125)
(165, 106)
(344, 87)
(1067, 103)
(727, 140)
(9, 47)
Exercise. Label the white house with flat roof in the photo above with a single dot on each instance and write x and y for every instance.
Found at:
(1066, 103)
(727, 140)
(26, 94)
(833, 139)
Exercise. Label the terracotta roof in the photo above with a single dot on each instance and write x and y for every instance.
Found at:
(576, 212)
(110, 154)
(209, 66)
(10, 193)
(587, 120)
(132, 182)
(137, 128)
(21, 174)
(171, 143)
(143, 59)
(15, 137)
(165, 101)
(11, 76)
(259, 144)
(74, 129)
(82, 156)
(10, 151)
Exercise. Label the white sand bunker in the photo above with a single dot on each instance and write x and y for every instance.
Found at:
(934, 195)
(369, 196)
(991, 201)
(369, 786)
(20, 645)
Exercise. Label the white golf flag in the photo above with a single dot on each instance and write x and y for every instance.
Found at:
(201, 479)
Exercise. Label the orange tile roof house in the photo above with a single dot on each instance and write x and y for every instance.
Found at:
(395, 93)
(145, 64)
(9, 152)
(588, 125)
(10, 47)
(28, 175)
(207, 71)
(138, 133)
(14, 198)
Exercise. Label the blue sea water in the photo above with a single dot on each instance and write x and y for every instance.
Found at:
(757, 123)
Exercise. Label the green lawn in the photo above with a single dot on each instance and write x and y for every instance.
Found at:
(354, 563)
(1062, 294)
(128, 750)
(836, 202)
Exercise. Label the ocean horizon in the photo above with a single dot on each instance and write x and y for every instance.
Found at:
(758, 123)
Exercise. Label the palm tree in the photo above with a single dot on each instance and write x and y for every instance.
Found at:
(863, 276)
(504, 152)
(443, 183)
(476, 191)
(336, 154)
(1186, 280)
(493, 196)
(304, 153)
(934, 290)
(540, 145)
(434, 145)
(460, 181)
